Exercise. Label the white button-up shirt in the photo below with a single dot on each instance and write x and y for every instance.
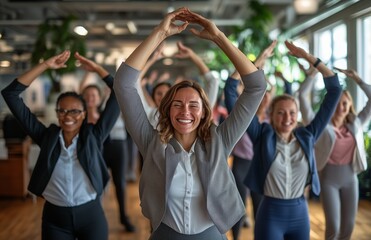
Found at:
(69, 185)
(289, 171)
(186, 210)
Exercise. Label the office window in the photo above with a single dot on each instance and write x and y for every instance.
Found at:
(365, 50)
(364, 59)
(331, 47)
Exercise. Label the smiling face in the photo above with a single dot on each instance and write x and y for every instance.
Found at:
(92, 96)
(159, 93)
(284, 117)
(186, 112)
(344, 107)
(70, 121)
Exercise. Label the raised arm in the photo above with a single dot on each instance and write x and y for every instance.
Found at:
(91, 66)
(11, 94)
(111, 111)
(212, 33)
(254, 82)
(265, 54)
(286, 83)
(314, 61)
(167, 28)
(56, 62)
(365, 114)
(305, 94)
(127, 75)
(211, 83)
(329, 103)
(187, 53)
(157, 55)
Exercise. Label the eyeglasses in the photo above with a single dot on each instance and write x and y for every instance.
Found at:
(72, 112)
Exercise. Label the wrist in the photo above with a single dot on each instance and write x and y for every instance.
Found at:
(358, 80)
(44, 65)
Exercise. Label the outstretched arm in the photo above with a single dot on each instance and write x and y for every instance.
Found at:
(157, 55)
(91, 66)
(186, 52)
(328, 105)
(365, 114)
(305, 94)
(212, 33)
(351, 73)
(254, 82)
(56, 62)
(301, 53)
(167, 28)
(265, 54)
(28, 120)
(127, 75)
(211, 83)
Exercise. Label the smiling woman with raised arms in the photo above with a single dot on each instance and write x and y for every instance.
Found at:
(70, 173)
(187, 189)
(283, 164)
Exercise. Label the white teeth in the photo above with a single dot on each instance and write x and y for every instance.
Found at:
(184, 121)
(68, 123)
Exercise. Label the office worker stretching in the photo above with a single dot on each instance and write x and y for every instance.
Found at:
(187, 190)
(70, 173)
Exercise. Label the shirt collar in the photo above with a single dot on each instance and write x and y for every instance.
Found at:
(74, 140)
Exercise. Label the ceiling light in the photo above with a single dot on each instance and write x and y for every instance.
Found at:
(4, 64)
(80, 30)
(99, 57)
(306, 6)
(132, 27)
(110, 26)
(119, 31)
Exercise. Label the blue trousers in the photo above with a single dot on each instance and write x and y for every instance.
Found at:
(282, 219)
(84, 222)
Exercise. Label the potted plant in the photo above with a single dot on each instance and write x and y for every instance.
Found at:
(55, 36)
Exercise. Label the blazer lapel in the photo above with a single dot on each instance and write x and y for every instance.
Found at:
(173, 155)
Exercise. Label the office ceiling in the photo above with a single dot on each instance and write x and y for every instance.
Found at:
(19, 20)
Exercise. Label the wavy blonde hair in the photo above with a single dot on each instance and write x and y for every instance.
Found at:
(352, 111)
(164, 125)
(279, 98)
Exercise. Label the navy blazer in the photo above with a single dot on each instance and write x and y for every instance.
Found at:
(264, 136)
(89, 143)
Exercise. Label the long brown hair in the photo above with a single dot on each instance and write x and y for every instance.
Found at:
(164, 125)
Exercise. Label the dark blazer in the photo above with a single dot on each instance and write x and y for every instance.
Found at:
(89, 144)
(264, 136)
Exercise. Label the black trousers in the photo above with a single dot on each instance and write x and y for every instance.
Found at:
(116, 156)
(164, 232)
(84, 222)
(240, 169)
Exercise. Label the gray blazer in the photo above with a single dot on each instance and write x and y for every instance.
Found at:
(223, 201)
(326, 142)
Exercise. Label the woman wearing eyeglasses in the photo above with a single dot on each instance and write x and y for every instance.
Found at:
(70, 173)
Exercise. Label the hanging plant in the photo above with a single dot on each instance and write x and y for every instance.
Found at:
(55, 36)
(252, 37)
